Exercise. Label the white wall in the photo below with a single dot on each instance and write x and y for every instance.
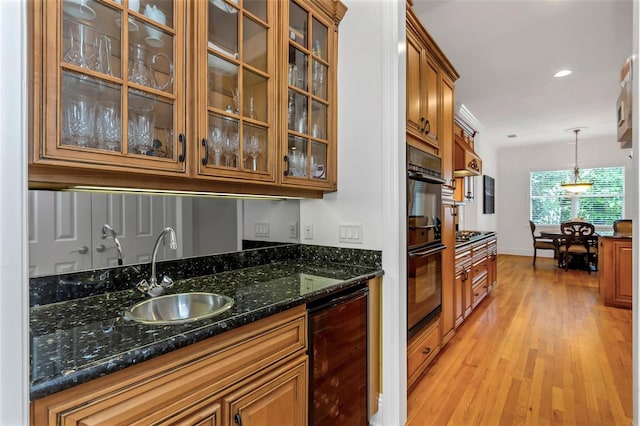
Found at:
(14, 300)
(512, 183)
(279, 214)
(471, 216)
(360, 85)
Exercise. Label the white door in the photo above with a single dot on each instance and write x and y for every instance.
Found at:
(59, 232)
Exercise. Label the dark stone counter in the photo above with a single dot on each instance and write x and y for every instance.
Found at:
(74, 341)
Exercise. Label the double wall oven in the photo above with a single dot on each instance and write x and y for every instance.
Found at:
(424, 241)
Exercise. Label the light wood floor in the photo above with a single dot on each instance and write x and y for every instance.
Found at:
(542, 349)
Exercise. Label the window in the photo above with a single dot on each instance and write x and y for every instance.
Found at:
(601, 205)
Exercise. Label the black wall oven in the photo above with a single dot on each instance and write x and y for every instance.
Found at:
(424, 240)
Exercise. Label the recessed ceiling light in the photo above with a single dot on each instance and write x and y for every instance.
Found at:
(512, 135)
(562, 73)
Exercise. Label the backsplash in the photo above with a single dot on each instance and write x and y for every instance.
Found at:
(62, 287)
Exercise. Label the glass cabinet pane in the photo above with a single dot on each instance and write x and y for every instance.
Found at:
(319, 79)
(254, 44)
(297, 68)
(149, 125)
(319, 47)
(297, 24)
(223, 84)
(318, 160)
(223, 27)
(85, 121)
(255, 145)
(297, 116)
(297, 157)
(318, 120)
(151, 57)
(255, 96)
(257, 8)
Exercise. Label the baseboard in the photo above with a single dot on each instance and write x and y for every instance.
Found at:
(376, 419)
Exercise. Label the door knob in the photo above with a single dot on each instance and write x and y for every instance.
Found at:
(81, 250)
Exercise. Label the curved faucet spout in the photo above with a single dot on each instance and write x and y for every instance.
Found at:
(108, 231)
(173, 245)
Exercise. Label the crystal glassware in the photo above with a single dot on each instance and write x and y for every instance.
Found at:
(216, 141)
(79, 119)
(253, 148)
(108, 125)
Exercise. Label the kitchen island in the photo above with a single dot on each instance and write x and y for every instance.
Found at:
(615, 264)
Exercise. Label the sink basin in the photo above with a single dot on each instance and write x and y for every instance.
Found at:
(178, 308)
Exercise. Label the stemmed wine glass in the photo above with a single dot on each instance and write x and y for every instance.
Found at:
(253, 148)
(217, 144)
(230, 149)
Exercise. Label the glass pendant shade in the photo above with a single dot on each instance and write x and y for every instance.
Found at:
(576, 186)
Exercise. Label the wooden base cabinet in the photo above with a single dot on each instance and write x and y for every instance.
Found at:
(615, 266)
(422, 348)
(254, 375)
(475, 275)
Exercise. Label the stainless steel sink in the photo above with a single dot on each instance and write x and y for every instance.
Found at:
(178, 308)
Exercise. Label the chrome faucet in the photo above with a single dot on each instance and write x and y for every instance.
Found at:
(108, 231)
(152, 287)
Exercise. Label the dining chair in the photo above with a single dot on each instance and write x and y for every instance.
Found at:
(578, 241)
(623, 225)
(540, 243)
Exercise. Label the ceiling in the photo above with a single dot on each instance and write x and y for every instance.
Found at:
(507, 51)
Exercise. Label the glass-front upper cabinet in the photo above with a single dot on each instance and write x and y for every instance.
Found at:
(310, 46)
(237, 102)
(111, 91)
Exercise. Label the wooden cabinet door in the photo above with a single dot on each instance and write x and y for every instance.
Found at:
(448, 314)
(111, 90)
(280, 398)
(236, 90)
(459, 304)
(623, 264)
(414, 93)
(309, 94)
(422, 88)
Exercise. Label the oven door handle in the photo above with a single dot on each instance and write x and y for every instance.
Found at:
(428, 252)
(412, 174)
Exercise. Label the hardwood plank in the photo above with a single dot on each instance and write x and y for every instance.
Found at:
(541, 349)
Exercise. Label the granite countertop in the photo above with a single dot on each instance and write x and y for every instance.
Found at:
(475, 240)
(78, 340)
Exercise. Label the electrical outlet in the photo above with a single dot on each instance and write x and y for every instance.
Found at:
(350, 233)
(293, 230)
(308, 231)
(261, 229)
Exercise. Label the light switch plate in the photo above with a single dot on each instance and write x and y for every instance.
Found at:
(350, 233)
(293, 230)
(261, 229)
(308, 231)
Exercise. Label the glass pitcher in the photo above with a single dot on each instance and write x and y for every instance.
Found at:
(142, 67)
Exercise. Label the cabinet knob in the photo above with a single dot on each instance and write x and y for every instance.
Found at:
(101, 248)
(205, 159)
(426, 350)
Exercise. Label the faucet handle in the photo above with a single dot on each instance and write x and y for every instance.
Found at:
(166, 282)
(143, 286)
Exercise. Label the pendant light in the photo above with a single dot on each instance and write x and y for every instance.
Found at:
(576, 186)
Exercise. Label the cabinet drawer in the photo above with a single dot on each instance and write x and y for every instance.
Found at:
(422, 348)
